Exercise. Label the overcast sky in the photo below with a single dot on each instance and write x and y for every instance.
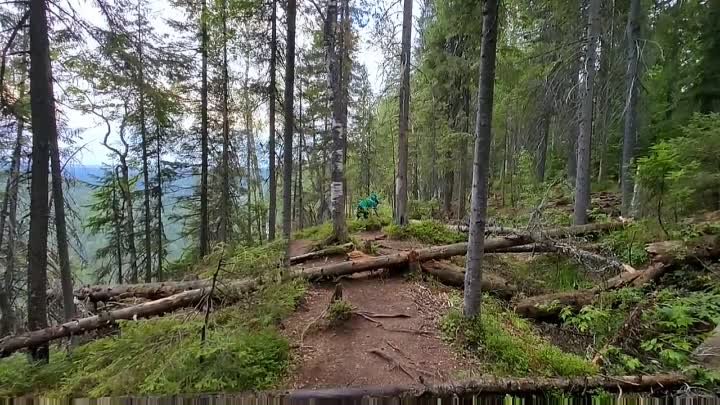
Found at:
(93, 130)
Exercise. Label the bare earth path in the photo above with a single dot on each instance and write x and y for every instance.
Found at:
(343, 355)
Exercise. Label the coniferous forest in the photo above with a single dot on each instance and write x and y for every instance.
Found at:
(429, 196)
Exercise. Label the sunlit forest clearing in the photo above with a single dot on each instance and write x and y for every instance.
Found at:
(384, 198)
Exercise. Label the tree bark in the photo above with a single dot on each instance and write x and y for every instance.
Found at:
(160, 230)
(453, 275)
(145, 155)
(301, 219)
(542, 148)
(630, 132)
(584, 142)
(497, 385)
(44, 128)
(401, 182)
(289, 118)
(481, 161)
(225, 197)
(61, 229)
(204, 214)
(272, 208)
(337, 195)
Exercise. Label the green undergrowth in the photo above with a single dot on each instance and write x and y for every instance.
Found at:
(163, 356)
(507, 344)
(431, 232)
(541, 273)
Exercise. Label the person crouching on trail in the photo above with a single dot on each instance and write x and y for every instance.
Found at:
(367, 204)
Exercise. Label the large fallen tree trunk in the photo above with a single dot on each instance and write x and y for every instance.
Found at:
(664, 255)
(329, 251)
(104, 293)
(453, 275)
(498, 385)
(184, 299)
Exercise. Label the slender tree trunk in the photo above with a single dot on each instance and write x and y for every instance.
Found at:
(481, 166)
(9, 214)
(145, 157)
(130, 222)
(542, 147)
(344, 85)
(582, 181)
(289, 118)
(633, 35)
(400, 216)
(117, 219)
(225, 217)
(337, 195)
(301, 219)
(272, 209)
(204, 214)
(44, 128)
(160, 229)
(61, 229)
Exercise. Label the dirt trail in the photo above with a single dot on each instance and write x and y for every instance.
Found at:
(342, 355)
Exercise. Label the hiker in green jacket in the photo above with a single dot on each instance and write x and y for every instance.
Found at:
(367, 204)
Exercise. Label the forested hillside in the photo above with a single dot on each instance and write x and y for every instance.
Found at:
(450, 196)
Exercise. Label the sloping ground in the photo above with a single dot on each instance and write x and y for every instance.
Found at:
(360, 352)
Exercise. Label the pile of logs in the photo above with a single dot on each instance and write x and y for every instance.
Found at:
(170, 296)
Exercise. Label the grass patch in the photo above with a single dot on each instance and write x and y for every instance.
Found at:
(541, 274)
(508, 344)
(430, 232)
(338, 312)
(164, 356)
(317, 233)
(373, 223)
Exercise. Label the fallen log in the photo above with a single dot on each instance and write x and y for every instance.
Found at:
(664, 255)
(453, 275)
(498, 385)
(329, 251)
(184, 299)
(708, 352)
(104, 293)
(581, 255)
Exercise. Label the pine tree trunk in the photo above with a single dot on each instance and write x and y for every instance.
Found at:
(145, 160)
(204, 214)
(160, 230)
(633, 35)
(272, 209)
(301, 219)
(481, 166)
(130, 221)
(337, 195)
(542, 148)
(42, 104)
(225, 203)
(401, 181)
(117, 219)
(289, 118)
(61, 229)
(9, 216)
(582, 180)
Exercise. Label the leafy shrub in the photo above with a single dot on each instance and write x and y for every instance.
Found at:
(430, 232)
(509, 345)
